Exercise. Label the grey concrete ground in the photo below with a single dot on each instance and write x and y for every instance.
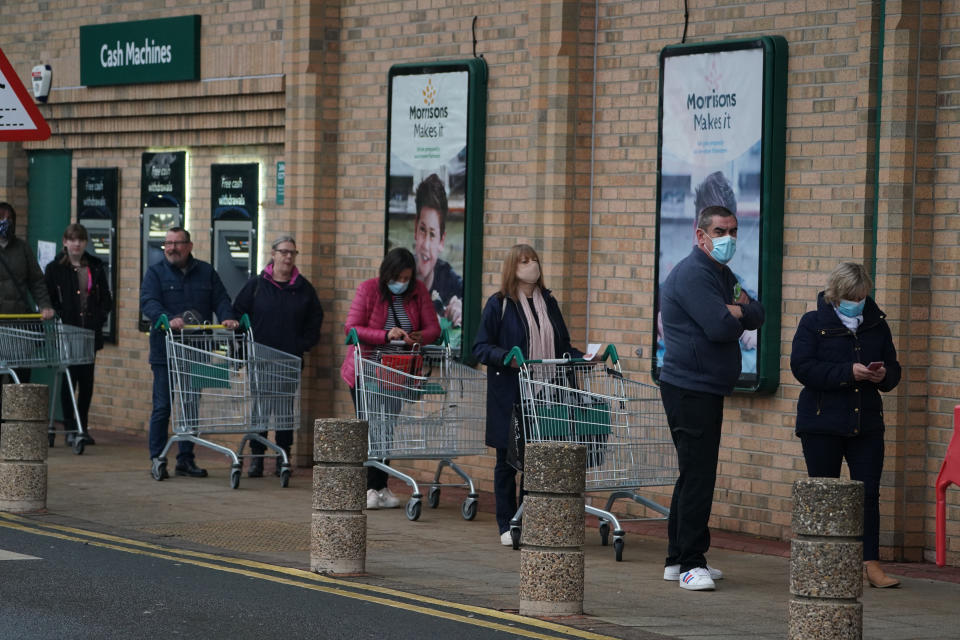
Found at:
(109, 489)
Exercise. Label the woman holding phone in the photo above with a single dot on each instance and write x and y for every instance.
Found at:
(843, 354)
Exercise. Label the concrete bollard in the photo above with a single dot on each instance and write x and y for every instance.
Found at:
(551, 558)
(23, 448)
(338, 535)
(826, 560)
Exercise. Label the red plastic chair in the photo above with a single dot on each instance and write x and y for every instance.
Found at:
(949, 474)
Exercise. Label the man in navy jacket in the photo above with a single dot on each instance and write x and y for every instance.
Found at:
(704, 311)
(173, 286)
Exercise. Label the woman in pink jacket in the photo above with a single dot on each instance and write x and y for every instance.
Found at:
(392, 307)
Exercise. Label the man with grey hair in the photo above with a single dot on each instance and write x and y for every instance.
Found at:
(704, 311)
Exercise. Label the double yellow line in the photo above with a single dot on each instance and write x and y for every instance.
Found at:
(462, 613)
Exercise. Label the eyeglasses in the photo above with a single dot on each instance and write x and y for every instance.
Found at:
(173, 244)
(286, 253)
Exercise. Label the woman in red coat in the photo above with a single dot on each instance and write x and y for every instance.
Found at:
(392, 307)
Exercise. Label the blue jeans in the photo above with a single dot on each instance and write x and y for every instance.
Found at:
(160, 417)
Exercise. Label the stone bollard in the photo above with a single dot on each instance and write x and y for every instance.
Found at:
(23, 448)
(551, 558)
(826, 560)
(338, 536)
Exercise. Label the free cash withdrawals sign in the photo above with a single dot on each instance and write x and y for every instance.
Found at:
(165, 50)
(19, 117)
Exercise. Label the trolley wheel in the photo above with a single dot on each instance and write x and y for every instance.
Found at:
(515, 537)
(433, 497)
(234, 478)
(159, 469)
(284, 478)
(413, 509)
(618, 548)
(469, 509)
(78, 444)
(51, 438)
(604, 533)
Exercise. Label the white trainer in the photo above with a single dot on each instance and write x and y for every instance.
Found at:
(697, 579)
(672, 572)
(373, 499)
(388, 500)
(506, 539)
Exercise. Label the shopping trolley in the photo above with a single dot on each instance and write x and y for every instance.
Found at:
(223, 382)
(421, 404)
(29, 342)
(621, 423)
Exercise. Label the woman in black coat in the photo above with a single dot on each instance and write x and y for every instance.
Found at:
(843, 354)
(284, 314)
(80, 294)
(514, 317)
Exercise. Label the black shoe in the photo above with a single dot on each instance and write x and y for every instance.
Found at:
(158, 470)
(190, 469)
(256, 468)
(88, 440)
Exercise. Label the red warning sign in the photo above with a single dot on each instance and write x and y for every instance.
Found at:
(19, 117)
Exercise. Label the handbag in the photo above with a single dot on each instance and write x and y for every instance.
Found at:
(516, 440)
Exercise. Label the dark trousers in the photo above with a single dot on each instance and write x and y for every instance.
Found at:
(505, 490)
(695, 419)
(82, 376)
(160, 416)
(376, 478)
(824, 455)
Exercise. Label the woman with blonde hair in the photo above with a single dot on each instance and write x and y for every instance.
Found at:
(522, 314)
(843, 354)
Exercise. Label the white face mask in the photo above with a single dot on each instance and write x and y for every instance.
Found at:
(529, 272)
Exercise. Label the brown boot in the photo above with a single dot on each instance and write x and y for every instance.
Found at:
(876, 576)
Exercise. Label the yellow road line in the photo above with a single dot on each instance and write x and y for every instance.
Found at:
(184, 555)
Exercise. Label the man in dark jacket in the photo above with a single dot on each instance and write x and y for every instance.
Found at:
(178, 284)
(704, 311)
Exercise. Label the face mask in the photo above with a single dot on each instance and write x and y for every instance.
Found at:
(5, 228)
(723, 249)
(529, 272)
(851, 309)
(396, 288)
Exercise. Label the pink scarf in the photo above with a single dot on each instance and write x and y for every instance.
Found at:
(541, 335)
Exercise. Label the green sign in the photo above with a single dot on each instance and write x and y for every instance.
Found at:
(281, 179)
(165, 50)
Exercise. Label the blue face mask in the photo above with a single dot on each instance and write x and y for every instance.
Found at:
(5, 228)
(851, 309)
(396, 288)
(723, 249)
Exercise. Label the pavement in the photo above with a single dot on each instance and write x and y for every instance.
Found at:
(109, 490)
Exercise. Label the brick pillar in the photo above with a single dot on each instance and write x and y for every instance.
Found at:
(551, 559)
(23, 448)
(826, 560)
(338, 540)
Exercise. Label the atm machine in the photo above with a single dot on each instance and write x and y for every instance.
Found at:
(97, 211)
(234, 205)
(159, 214)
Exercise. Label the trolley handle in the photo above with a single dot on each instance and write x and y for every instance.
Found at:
(516, 354)
(21, 316)
(163, 324)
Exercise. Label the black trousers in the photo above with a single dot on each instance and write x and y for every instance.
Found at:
(695, 420)
(824, 455)
(376, 478)
(82, 376)
(505, 490)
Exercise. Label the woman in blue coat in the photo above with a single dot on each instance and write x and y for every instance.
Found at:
(522, 314)
(843, 354)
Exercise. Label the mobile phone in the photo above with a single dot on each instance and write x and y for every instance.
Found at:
(873, 366)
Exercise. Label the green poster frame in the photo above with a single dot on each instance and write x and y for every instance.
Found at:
(773, 160)
(477, 74)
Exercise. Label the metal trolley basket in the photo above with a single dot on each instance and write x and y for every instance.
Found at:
(223, 382)
(621, 422)
(421, 404)
(29, 342)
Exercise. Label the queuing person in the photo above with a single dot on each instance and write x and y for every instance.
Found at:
(22, 289)
(704, 312)
(430, 235)
(524, 314)
(80, 293)
(391, 307)
(843, 355)
(285, 314)
(173, 287)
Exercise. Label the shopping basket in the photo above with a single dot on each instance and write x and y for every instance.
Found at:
(223, 382)
(421, 404)
(621, 423)
(29, 342)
